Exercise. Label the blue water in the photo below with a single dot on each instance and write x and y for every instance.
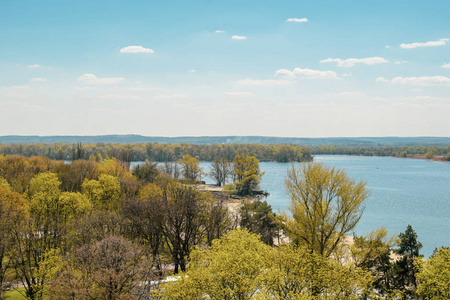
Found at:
(402, 192)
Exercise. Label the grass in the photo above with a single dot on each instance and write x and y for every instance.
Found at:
(15, 294)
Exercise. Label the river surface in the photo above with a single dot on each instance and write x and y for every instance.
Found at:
(402, 192)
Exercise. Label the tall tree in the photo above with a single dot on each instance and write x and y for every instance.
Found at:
(404, 269)
(325, 204)
(13, 215)
(247, 174)
(191, 168)
(184, 221)
(221, 170)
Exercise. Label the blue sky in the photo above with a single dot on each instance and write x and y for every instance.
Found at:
(178, 68)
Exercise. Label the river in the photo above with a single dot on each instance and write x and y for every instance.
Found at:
(402, 192)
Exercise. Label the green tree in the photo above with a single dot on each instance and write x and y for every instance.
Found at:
(191, 168)
(239, 266)
(184, 221)
(434, 276)
(372, 253)
(297, 273)
(430, 154)
(258, 217)
(147, 172)
(325, 204)
(229, 269)
(404, 270)
(104, 192)
(247, 174)
(13, 215)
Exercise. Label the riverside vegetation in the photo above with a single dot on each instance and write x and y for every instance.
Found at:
(93, 229)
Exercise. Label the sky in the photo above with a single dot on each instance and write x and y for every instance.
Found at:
(214, 68)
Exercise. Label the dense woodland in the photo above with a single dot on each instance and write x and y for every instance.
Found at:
(93, 229)
(209, 152)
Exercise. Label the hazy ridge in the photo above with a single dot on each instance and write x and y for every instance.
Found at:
(131, 138)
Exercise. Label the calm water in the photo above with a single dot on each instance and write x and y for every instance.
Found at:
(402, 192)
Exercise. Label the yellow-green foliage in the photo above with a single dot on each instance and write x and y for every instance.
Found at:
(4, 184)
(191, 168)
(434, 276)
(104, 192)
(240, 266)
(149, 191)
(229, 188)
(44, 194)
(325, 205)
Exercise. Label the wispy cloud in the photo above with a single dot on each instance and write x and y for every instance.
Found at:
(350, 62)
(440, 42)
(446, 66)
(423, 80)
(20, 87)
(38, 79)
(219, 31)
(239, 37)
(346, 94)
(305, 73)
(296, 20)
(239, 94)
(401, 62)
(381, 79)
(92, 79)
(136, 49)
(266, 82)
(192, 71)
(33, 66)
(387, 47)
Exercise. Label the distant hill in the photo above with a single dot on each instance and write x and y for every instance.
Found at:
(339, 141)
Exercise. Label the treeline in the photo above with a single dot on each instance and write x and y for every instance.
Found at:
(403, 151)
(209, 152)
(160, 152)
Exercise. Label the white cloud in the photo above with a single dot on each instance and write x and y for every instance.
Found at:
(38, 79)
(191, 71)
(305, 73)
(416, 90)
(401, 62)
(446, 66)
(33, 66)
(136, 49)
(440, 42)
(239, 37)
(92, 79)
(256, 82)
(387, 47)
(349, 74)
(423, 80)
(350, 62)
(239, 94)
(219, 31)
(302, 20)
(381, 79)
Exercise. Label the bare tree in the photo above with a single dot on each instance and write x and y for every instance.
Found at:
(221, 170)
